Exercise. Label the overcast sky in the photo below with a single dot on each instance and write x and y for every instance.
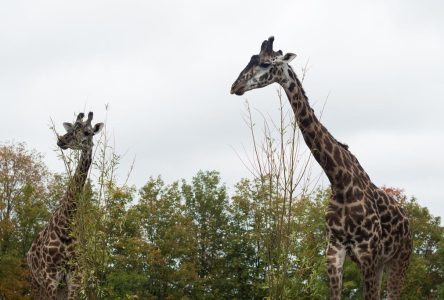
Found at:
(165, 68)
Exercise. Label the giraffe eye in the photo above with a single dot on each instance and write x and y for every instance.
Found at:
(264, 65)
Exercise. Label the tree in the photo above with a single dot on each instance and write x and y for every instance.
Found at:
(281, 173)
(245, 263)
(206, 202)
(192, 240)
(23, 211)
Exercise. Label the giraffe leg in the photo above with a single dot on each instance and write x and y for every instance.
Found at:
(74, 280)
(397, 271)
(371, 268)
(36, 292)
(335, 261)
(379, 274)
(50, 287)
(372, 282)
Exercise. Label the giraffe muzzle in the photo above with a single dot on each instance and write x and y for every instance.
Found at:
(62, 144)
(238, 90)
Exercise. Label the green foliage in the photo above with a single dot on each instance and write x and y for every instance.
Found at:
(426, 272)
(193, 240)
(23, 209)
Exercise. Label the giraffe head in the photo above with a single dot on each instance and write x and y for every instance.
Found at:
(79, 135)
(263, 69)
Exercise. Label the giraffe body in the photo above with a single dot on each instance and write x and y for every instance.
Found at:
(363, 221)
(51, 258)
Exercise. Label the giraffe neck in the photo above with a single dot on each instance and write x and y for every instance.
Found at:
(77, 182)
(68, 204)
(338, 163)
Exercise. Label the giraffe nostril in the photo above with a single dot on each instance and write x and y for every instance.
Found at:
(237, 89)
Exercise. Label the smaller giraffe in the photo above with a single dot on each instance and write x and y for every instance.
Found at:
(52, 252)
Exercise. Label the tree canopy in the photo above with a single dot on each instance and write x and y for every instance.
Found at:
(192, 239)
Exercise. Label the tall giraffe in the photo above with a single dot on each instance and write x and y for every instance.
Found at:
(362, 220)
(52, 252)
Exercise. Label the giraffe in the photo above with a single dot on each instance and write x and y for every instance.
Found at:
(363, 222)
(52, 252)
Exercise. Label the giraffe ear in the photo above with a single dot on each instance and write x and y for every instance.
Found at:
(288, 57)
(98, 127)
(67, 126)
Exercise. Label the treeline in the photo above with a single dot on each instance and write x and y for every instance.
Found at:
(191, 239)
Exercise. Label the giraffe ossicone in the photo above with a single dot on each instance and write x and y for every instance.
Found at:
(51, 258)
(363, 221)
